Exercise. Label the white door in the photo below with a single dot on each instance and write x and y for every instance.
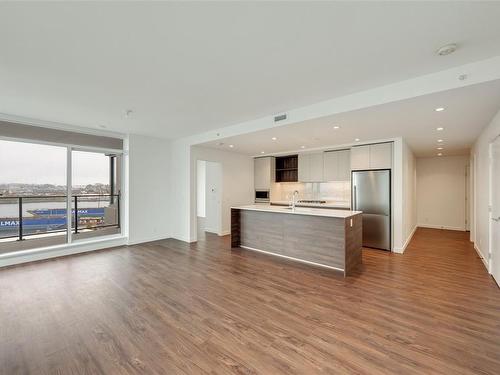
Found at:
(495, 210)
(213, 212)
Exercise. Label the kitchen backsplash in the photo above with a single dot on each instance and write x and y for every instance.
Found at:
(329, 191)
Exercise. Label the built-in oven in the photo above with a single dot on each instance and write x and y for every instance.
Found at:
(261, 196)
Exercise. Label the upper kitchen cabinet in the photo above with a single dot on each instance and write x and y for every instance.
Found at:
(263, 173)
(311, 167)
(360, 157)
(286, 168)
(381, 156)
(376, 156)
(337, 165)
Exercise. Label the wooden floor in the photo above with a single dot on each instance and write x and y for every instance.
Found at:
(172, 308)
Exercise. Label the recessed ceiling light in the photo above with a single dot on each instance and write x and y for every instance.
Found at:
(447, 49)
(102, 126)
(302, 146)
(440, 154)
(262, 152)
(440, 141)
(439, 129)
(231, 146)
(128, 113)
(439, 148)
(336, 127)
(439, 109)
(356, 140)
(274, 138)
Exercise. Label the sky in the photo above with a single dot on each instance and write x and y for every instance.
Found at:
(30, 163)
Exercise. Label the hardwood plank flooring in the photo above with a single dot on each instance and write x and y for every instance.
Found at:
(174, 308)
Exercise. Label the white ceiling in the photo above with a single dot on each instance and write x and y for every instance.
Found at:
(467, 111)
(187, 67)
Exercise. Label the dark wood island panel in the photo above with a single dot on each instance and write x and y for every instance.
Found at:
(333, 242)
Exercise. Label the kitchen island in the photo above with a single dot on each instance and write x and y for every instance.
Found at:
(322, 237)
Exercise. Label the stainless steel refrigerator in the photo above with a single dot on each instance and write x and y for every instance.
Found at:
(371, 193)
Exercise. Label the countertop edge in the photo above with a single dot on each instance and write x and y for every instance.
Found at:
(332, 213)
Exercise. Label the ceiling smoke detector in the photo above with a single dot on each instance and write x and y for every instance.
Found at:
(447, 49)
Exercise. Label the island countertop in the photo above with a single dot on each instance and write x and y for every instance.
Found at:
(341, 214)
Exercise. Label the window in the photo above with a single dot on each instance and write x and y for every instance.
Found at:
(95, 194)
(40, 193)
(32, 195)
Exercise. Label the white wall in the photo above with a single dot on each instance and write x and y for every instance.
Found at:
(441, 184)
(237, 182)
(149, 189)
(409, 194)
(201, 175)
(480, 154)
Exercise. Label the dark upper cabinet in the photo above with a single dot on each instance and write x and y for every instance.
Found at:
(287, 168)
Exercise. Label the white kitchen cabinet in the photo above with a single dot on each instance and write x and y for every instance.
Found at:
(264, 170)
(344, 163)
(316, 167)
(381, 156)
(360, 157)
(310, 167)
(376, 156)
(304, 172)
(330, 166)
(337, 165)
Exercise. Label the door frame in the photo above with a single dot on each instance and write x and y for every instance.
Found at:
(217, 230)
(490, 206)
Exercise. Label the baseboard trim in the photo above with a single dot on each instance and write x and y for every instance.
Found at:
(431, 226)
(32, 255)
(401, 250)
(292, 258)
(149, 239)
(481, 256)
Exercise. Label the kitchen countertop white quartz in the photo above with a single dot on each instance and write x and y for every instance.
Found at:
(342, 214)
(328, 204)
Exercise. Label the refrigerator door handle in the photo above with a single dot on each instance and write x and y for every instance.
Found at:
(355, 203)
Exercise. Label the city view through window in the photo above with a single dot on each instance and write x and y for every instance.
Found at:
(33, 184)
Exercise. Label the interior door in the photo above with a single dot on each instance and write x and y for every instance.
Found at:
(213, 221)
(495, 210)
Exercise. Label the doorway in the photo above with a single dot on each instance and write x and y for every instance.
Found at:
(495, 209)
(209, 198)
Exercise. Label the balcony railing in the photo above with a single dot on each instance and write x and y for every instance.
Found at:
(25, 216)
